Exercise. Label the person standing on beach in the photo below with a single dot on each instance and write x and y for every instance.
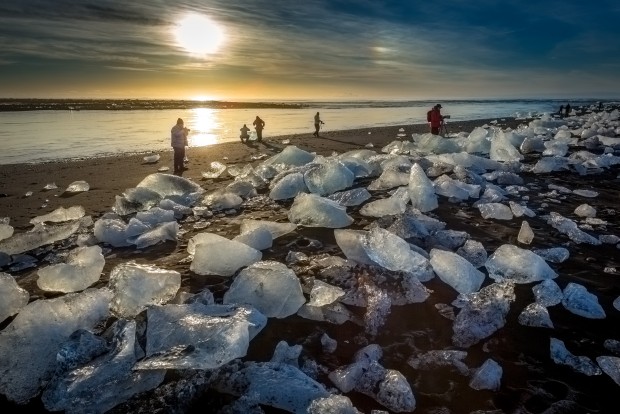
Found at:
(567, 110)
(317, 124)
(244, 133)
(436, 119)
(178, 141)
(259, 124)
(561, 110)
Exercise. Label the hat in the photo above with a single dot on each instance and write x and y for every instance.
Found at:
(438, 106)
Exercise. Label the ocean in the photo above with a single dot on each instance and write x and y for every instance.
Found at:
(31, 135)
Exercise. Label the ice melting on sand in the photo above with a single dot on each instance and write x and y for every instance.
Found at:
(270, 287)
(83, 268)
(328, 177)
(60, 214)
(487, 377)
(561, 355)
(569, 227)
(217, 255)
(456, 271)
(519, 265)
(12, 297)
(421, 190)
(77, 187)
(526, 234)
(496, 211)
(350, 198)
(169, 185)
(40, 235)
(536, 315)
(216, 169)
(312, 210)
(579, 301)
(548, 293)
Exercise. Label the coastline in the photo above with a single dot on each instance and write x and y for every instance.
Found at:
(109, 176)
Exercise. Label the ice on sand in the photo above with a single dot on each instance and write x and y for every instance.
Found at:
(197, 336)
(561, 355)
(526, 235)
(482, 313)
(350, 242)
(456, 271)
(169, 185)
(421, 190)
(29, 345)
(138, 286)
(12, 297)
(585, 210)
(579, 301)
(390, 178)
(389, 206)
(350, 198)
(40, 235)
(474, 252)
(487, 377)
(276, 229)
(161, 233)
(536, 315)
(334, 404)
(548, 293)
(324, 294)
(105, 381)
(216, 169)
(328, 177)
(366, 375)
(216, 255)
(290, 155)
(83, 268)
(440, 358)
(270, 287)
(259, 238)
(60, 214)
(390, 251)
(77, 187)
(288, 187)
(520, 210)
(569, 227)
(113, 231)
(519, 265)
(312, 210)
(7, 230)
(553, 254)
(496, 211)
(610, 366)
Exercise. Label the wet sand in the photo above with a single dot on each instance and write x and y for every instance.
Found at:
(531, 382)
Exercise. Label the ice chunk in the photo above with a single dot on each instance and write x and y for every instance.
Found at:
(421, 190)
(496, 211)
(259, 238)
(105, 381)
(272, 384)
(610, 366)
(216, 169)
(288, 187)
(77, 187)
(60, 214)
(222, 200)
(585, 210)
(503, 150)
(536, 315)
(328, 177)
(29, 345)
(350, 198)
(474, 252)
(518, 265)
(581, 302)
(456, 271)
(390, 178)
(389, 206)
(216, 255)
(388, 387)
(329, 344)
(161, 233)
(286, 354)
(586, 193)
(112, 231)
(151, 159)
(40, 235)
(198, 336)
(12, 297)
(324, 294)
(270, 287)
(561, 355)
(276, 229)
(487, 377)
(290, 155)
(138, 286)
(440, 358)
(519, 210)
(6, 230)
(390, 251)
(178, 209)
(569, 227)
(334, 404)
(312, 210)
(455, 189)
(350, 242)
(168, 185)
(526, 235)
(482, 313)
(83, 268)
(553, 254)
(548, 293)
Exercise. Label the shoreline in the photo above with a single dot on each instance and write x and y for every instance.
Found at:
(111, 175)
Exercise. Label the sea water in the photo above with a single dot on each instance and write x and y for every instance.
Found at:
(43, 135)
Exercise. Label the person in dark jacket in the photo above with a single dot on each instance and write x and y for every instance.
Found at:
(259, 124)
(567, 110)
(244, 133)
(317, 124)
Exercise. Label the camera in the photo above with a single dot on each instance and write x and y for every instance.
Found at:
(446, 117)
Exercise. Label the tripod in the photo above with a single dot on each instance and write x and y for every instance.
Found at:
(443, 129)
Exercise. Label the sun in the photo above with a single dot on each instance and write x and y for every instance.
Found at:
(198, 34)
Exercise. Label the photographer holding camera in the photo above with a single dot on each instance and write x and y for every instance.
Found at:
(178, 141)
(435, 119)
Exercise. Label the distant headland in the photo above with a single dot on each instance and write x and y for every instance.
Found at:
(14, 104)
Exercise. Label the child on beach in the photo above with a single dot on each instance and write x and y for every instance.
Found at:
(178, 141)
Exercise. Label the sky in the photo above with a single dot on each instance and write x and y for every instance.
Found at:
(310, 49)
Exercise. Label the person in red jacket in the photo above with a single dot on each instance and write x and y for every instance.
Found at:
(436, 119)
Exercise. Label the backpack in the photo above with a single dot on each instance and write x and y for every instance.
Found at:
(428, 116)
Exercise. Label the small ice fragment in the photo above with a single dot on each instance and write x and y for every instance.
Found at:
(526, 235)
(50, 186)
(77, 187)
(151, 159)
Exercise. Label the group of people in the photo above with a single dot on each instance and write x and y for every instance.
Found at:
(564, 110)
(259, 125)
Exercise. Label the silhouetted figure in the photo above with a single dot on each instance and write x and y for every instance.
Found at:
(435, 119)
(259, 124)
(600, 106)
(567, 110)
(561, 111)
(317, 124)
(178, 142)
(244, 133)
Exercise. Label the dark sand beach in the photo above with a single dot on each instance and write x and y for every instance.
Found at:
(531, 382)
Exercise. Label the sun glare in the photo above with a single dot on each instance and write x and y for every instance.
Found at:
(198, 34)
